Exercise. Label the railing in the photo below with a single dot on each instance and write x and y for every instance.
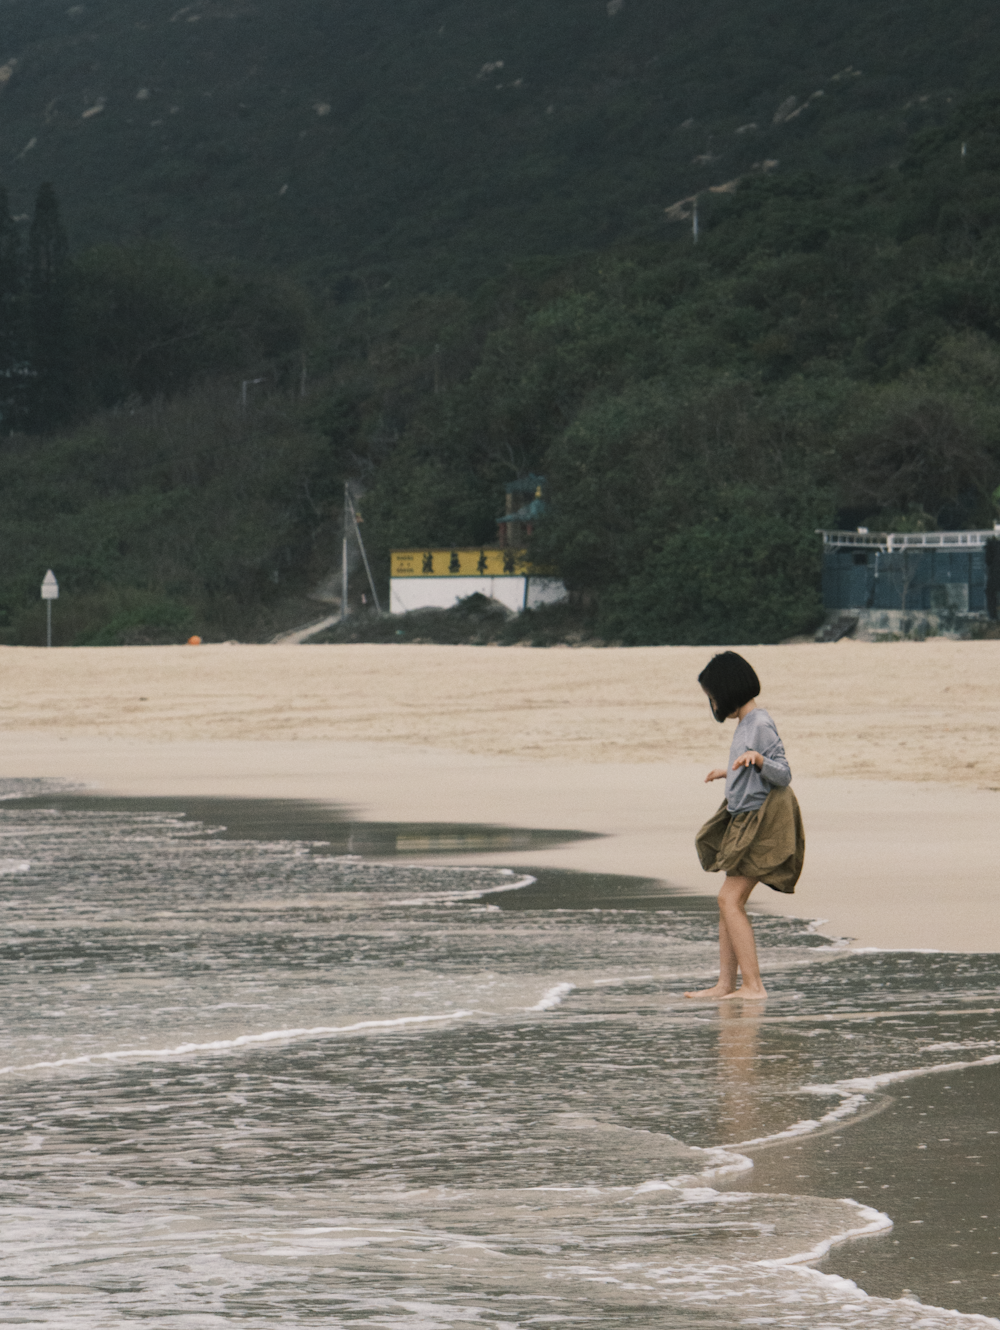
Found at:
(891, 542)
(941, 539)
(866, 540)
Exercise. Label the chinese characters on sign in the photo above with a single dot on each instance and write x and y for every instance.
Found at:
(462, 563)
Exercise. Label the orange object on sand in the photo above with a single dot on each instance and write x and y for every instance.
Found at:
(194, 641)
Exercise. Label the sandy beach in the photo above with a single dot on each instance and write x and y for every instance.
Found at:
(892, 748)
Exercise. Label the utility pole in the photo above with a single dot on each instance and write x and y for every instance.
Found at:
(364, 553)
(352, 522)
(244, 391)
(343, 555)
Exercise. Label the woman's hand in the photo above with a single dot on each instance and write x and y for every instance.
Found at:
(718, 774)
(748, 759)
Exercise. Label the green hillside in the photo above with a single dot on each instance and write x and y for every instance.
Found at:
(829, 352)
(431, 142)
(426, 247)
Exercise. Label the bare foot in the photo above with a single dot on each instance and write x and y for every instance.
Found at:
(751, 994)
(716, 991)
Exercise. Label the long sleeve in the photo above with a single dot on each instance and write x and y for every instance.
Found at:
(764, 738)
(747, 788)
(775, 769)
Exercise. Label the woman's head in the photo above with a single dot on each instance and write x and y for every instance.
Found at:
(730, 682)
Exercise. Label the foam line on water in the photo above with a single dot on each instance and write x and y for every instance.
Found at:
(240, 1041)
(839, 1284)
(721, 1163)
(552, 998)
(868, 1083)
(854, 1095)
(442, 897)
(875, 1222)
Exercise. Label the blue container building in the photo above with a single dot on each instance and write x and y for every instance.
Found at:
(937, 572)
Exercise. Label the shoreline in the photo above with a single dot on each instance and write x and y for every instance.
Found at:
(892, 748)
(891, 880)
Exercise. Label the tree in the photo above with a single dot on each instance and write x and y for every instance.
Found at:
(50, 339)
(12, 350)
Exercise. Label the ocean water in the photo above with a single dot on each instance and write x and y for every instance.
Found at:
(260, 1070)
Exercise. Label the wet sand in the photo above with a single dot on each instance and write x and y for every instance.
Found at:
(931, 1159)
(892, 748)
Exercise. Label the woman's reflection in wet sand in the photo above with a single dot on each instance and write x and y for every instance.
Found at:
(739, 1031)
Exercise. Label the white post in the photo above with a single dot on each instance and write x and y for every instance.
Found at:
(50, 592)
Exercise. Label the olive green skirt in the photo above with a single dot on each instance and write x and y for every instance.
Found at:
(768, 844)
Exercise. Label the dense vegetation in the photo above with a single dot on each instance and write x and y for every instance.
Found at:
(152, 449)
(125, 323)
(178, 431)
(829, 351)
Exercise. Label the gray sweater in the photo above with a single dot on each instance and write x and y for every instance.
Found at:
(747, 788)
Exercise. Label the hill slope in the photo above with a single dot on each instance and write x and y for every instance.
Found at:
(429, 141)
(829, 353)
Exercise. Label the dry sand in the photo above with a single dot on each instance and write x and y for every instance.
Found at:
(894, 749)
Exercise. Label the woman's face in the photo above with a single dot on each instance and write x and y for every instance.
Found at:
(711, 703)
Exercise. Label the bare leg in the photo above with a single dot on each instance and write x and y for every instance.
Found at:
(728, 964)
(737, 949)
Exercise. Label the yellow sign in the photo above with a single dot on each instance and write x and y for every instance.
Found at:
(460, 563)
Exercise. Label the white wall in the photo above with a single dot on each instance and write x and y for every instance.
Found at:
(420, 593)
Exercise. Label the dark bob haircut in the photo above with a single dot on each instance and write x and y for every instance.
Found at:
(730, 681)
